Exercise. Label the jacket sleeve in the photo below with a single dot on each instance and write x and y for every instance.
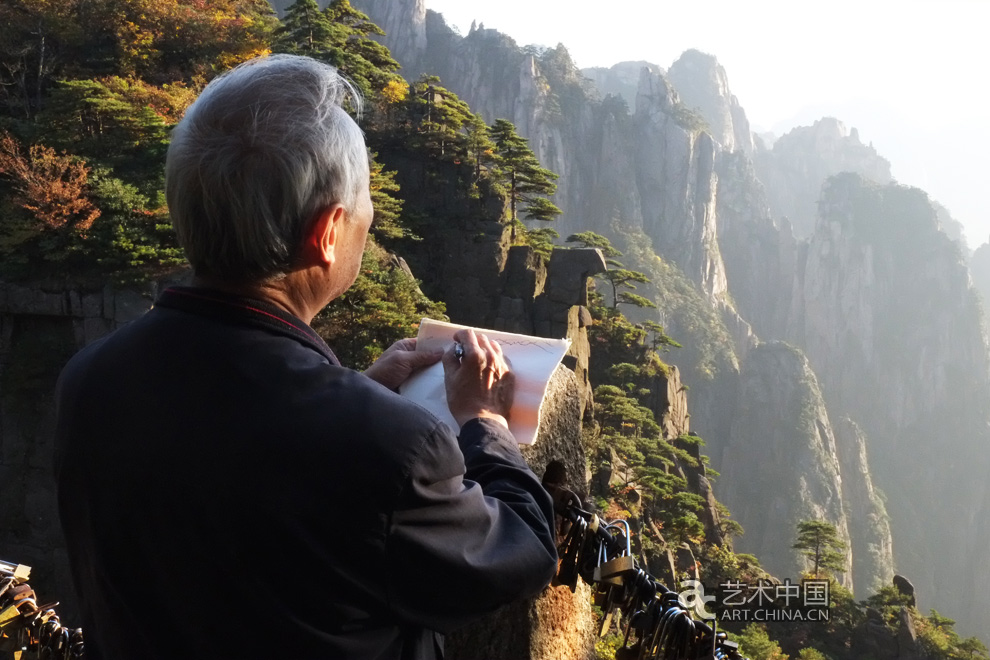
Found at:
(473, 530)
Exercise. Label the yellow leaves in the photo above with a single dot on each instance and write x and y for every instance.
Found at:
(168, 101)
(230, 60)
(51, 186)
(395, 91)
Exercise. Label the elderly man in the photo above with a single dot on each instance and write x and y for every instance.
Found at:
(226, 488)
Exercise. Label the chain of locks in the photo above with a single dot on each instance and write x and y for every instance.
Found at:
(658, 624)
(29, 631)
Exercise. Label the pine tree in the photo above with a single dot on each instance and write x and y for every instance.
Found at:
(367, 62)
(305, 30)
(527, 182)
(617, 275)
(819, 541)
(439, 119)
(388, 209)
(342, 36)
(479, 144)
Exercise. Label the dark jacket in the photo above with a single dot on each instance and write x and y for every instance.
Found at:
(227, 490)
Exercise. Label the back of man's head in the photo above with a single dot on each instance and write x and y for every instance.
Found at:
(261, 151)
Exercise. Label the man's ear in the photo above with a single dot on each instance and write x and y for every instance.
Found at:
(325, 232)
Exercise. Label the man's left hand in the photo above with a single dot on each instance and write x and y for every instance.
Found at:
(399, 362)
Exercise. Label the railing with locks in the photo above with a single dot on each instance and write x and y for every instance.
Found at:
(658, 626)
(29, 631)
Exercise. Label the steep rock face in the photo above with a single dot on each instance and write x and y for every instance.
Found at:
(950, 226)
(979, 268)
(676, 178)
(703, 87)
(800, 162)
(888, 291)
(781, 465)
(760, 255)
(405, 29)
(869, 526)
(621, 80)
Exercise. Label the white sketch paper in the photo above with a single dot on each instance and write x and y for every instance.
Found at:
(532, 359)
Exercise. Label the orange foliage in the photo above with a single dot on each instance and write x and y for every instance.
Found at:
(52, 186)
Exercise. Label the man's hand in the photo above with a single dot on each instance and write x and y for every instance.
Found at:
(399, 362)
(479, 384)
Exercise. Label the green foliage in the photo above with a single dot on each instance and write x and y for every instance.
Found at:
(388, 208)
(541, 240)
(689, 119)
(888, 602)
(568, 91)
(342, 36)
(727, 527)
(811, 653)
(631, 376)
(305, 30)
(690, 317)
(940, 641)
(443, 126)
(755, 643)
(605, 647)
(590, 239)
(617, 275)
(720, 564)
(384, 302)
(525, 180)
(819, 541)
(109, 121)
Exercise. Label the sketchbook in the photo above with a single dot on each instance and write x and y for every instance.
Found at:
(532, 359)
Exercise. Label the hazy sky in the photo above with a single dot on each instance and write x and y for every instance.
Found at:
(910, 74)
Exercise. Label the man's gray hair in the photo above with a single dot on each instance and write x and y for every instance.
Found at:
(262, 150)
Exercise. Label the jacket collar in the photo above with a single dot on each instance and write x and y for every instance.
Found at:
(245, 311)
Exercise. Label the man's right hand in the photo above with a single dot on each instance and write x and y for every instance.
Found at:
(480, 383)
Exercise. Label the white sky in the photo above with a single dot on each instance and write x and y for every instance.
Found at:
(910, 74)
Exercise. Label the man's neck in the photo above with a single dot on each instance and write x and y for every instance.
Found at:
(292, 293)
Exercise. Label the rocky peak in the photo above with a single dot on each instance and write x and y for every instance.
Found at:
(704, 88)
(620, 80)
(800, 162)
